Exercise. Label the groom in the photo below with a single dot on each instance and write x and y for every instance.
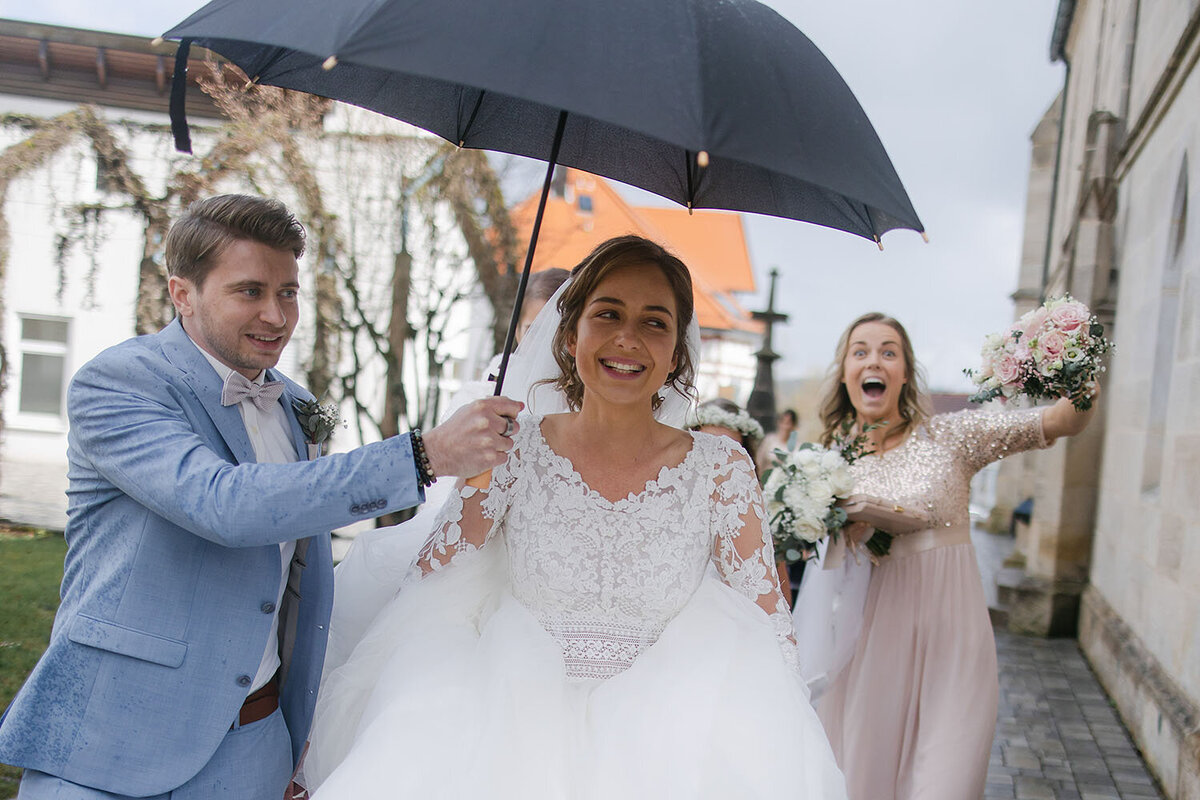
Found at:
(186, 654)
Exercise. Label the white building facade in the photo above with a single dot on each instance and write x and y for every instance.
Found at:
(71, 260)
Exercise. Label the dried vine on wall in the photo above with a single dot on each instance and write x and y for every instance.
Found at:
(46, 138)
(265, 135)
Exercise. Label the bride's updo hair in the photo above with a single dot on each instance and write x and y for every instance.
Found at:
(836, 407)
(608, 256)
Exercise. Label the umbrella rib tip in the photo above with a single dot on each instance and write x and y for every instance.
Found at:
(329, 63)
(156, 41)
(925, 237)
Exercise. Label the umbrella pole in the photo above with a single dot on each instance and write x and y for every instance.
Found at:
(533, 237)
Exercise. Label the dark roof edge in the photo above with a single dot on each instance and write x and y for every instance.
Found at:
(1062, 27)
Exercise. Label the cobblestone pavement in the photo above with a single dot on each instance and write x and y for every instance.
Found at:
(1057, 736)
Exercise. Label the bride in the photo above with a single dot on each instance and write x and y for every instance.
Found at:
(560, 634)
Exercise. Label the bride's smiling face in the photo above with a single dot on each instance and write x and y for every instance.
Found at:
(624, 345)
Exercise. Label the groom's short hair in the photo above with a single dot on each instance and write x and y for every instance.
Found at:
(197, 239)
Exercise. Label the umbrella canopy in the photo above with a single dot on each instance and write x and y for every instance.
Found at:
(710, 103)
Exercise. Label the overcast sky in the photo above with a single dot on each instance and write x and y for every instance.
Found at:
(953, 88)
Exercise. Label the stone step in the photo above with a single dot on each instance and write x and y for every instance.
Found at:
(999, 618)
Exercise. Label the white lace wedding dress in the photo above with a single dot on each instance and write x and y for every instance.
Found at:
(586, 650)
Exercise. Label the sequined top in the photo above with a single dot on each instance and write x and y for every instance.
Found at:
(930, 472)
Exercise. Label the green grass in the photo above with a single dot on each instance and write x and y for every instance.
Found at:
(31, 566)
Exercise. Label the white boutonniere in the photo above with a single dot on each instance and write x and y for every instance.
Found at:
(318, 423)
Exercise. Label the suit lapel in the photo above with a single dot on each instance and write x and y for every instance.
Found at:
(292, 393)
(206, 385)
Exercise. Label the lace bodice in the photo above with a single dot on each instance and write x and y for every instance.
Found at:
(931, 471)
(605, 578)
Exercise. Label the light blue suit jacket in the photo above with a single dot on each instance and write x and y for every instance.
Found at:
(172, 570)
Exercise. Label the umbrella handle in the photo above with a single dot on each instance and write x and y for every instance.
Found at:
(533, 237)
(178, 102)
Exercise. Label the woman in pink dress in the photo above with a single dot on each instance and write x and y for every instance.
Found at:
(912, 716)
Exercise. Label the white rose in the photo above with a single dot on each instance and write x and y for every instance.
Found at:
(795, 496)
(812, 469)
(805, 529)
(803, 456)
(821, 492)
(841, 481)
(831, 460)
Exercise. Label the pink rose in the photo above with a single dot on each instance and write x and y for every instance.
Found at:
(1052, 344)
(1069, 316)
(1022, 352)
(1032, 322)
(1007, 369)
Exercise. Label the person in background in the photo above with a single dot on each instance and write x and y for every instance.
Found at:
(538, 291)
(725, 418)
(913, 714)
(785, 424)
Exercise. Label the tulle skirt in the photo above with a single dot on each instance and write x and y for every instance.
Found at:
(457, 691)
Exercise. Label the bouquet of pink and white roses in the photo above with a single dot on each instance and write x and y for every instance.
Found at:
(1053, 351)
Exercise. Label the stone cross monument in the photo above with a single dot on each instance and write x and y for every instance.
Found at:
(761, 404)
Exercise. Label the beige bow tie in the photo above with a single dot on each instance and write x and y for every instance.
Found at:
(238, 387)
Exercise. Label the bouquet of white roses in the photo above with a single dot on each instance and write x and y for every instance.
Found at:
(802, 490)
(1053, 351)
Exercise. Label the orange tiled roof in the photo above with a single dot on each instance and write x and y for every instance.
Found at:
(711, 243)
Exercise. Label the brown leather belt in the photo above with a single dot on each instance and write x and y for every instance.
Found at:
(261, 703)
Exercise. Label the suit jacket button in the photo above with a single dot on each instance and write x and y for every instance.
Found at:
(268, 608)
(354, 509)
(244, 680)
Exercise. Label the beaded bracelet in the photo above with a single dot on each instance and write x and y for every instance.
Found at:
(425, 472)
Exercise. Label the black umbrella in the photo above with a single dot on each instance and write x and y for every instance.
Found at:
(710, 103)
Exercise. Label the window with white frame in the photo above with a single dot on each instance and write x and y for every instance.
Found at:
(44, 343)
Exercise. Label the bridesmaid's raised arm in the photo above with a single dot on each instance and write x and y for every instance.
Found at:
(1063, 419)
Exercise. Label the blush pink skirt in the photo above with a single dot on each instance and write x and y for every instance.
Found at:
(912, 717)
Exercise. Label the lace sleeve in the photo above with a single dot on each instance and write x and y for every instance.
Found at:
(465, 523)
(742, 548)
